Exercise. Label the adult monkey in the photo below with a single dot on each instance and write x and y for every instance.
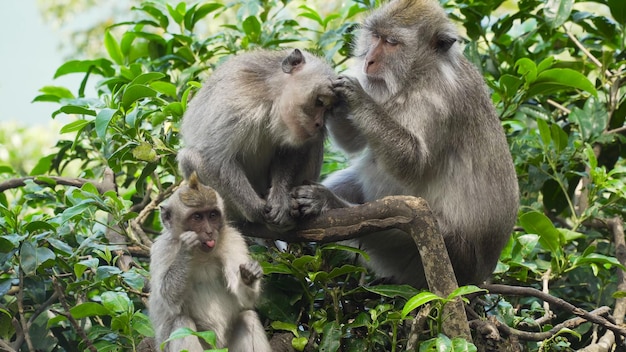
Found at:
(256, 129)
(424, 125)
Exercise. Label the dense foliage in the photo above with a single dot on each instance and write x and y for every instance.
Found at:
(73, 254)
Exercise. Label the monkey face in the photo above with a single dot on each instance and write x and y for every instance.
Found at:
(206, 223)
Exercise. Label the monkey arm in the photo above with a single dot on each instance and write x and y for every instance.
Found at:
(403, 153)
(169, 270)
(344, 133)
(227, 177)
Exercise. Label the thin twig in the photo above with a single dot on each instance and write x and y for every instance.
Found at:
(5, 347)
(529, 291)
(79, 330)
(22, 313)
(587, 53)
(540, 336)
(559, 106)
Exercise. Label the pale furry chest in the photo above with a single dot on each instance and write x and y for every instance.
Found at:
(219, 308)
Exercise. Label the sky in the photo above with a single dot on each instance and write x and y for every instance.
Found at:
(29, 55)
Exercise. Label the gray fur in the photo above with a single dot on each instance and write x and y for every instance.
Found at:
(254, 131)
(203, 290)
(422, 124)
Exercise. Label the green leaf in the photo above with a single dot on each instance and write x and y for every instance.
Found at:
(592, 120)
(544, 132)
(60, 245)
(136, 92)
(141, 323)
(279, 325)
(538, 223)
(75, 110)
(145, 152)
(106, 271)
(88, 309)
(147, 77)
(419, 300)
(31, 258)
(176, 13)
(527, 68)
(560, 79)
(556, 12)
(103, 67)
(202, 11)
(559, 137)
(57, 92)
(465, 290)
(459, 344)
(113, 48)
(391, 291)
(331, 337)
(75, 126)
(180, 333)
(78, 209)
(299, 343)
(156, 13)
(618, 11)
(116, 302)
(42, 166)
(252, 28)
(80, 267)
(440, 343)
(102, 121)
(166, 88)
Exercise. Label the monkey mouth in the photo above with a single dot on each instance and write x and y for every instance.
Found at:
(208, 245)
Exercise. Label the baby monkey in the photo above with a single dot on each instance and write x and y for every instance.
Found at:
(202, 276)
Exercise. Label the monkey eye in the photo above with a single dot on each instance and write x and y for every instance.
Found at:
(197, 216)
(323, 101)
(214, 214)
(391, 41)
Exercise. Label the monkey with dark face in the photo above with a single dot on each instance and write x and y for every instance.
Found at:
(422, 124)
(202, 276)
(256, 129)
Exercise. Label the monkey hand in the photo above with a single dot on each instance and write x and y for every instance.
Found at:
(250, 272)
(349, 90)
(189, 240)
(313, 199)
(278, 212)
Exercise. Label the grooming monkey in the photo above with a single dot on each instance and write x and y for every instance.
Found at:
(202, 276)
(423, 124)
(256, 129)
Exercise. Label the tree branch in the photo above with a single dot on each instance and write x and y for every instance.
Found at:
(409, 214)
(529, 291)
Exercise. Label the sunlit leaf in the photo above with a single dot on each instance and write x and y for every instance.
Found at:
(417, 301)
(556, 12)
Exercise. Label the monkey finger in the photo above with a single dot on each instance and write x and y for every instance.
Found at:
(189, 239)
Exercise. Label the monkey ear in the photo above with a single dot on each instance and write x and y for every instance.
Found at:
(293, 61)
(193, 180)
(444, 41)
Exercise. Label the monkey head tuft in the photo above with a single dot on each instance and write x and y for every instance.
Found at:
(194, 194)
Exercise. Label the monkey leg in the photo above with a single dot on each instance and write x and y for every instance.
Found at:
(248, 334)
(189, 343)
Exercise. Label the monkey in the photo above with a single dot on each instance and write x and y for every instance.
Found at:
(256, 129)
(421, 123)
(202, 276)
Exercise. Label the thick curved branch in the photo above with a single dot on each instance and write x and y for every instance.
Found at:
(409, 214)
